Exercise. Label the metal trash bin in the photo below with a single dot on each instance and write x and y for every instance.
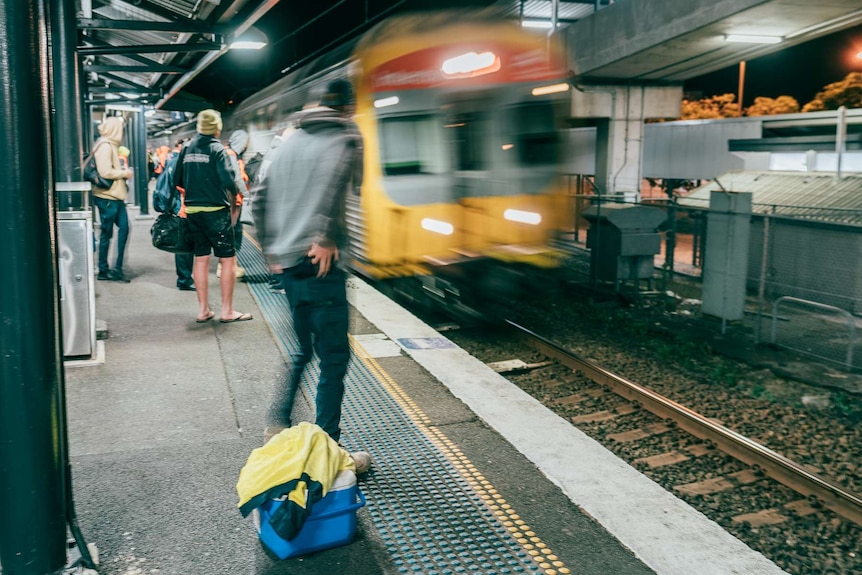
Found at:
(623, 240)
(77, 286)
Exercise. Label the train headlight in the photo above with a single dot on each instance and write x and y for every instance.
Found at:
(523, 217)
(383, 102)
(437, 226)
(551, 89)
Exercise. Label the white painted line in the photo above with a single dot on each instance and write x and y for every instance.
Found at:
(664, 532)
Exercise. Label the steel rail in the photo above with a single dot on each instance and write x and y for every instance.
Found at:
(774, 465)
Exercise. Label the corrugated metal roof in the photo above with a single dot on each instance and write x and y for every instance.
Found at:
(813, 196)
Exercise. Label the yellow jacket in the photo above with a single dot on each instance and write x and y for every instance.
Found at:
(300, 462)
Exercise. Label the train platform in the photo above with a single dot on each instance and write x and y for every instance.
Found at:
(470, 474)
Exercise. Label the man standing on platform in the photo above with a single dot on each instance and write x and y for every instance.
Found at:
(299, 214)
(204, 171)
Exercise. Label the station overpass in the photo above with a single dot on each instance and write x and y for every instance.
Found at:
(629, 61)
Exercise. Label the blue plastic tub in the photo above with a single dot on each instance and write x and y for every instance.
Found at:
(332, 523)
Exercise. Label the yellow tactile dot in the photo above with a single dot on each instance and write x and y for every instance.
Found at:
(513, 529)
(554, 559)
(551, 572)
(521, 540)
(534, 553)
(564, 571)
(529, 533)
(544, 566)
(507, 523)
(515, 516)
(521, 522)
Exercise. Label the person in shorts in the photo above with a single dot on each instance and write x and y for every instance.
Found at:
(206, 173)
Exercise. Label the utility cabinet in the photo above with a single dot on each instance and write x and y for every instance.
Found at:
(77, 289)
(623, 240)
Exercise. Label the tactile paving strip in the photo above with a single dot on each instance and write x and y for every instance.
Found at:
(435, 513)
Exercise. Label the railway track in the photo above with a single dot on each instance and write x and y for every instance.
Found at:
(763, 461)
(733, 441)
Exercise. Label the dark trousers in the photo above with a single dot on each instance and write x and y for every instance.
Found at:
(112, 213)
(184, 263)
(320, 319)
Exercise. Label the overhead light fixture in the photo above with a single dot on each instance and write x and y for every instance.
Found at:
(251, 39)
(383, 102)
(551, 89)
(542, 24)
(752, 39)
(471, 64)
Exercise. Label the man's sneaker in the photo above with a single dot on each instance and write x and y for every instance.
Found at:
(104, 276)
(271, 431)
(362, 459)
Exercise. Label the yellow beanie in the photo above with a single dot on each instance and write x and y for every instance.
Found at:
(209, 122)
(124, 151)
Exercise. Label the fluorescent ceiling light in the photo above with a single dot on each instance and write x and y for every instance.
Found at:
(753, 39)
(507, 146)
(251, 39)
(383, 102)
(437, 226)
(552, 89)
(523, 217)
(544, 24)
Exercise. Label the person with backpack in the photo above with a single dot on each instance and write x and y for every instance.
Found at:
(111, 200)
(162, 195)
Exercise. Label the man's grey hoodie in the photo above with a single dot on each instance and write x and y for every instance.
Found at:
(301, 198)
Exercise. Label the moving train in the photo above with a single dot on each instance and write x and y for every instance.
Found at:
(460, 115)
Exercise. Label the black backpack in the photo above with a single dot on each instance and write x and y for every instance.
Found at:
(91, 172)
(252, 167)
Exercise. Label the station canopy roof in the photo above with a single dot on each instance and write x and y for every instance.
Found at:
(173, 55)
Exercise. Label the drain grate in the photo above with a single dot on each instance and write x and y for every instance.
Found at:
(435, 513)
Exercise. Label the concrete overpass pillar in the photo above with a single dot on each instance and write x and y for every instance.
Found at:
(620, 112)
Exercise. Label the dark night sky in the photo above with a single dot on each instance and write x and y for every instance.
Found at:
(800, 71)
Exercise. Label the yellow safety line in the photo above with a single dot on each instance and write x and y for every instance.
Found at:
(518, 529)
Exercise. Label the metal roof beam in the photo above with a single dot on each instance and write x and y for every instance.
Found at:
(208, 59)
(90, 41)
(108, 90)
(165, 69)
(123, 81)
(189, 26)
(148, 49)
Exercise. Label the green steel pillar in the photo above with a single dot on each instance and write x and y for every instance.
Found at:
(32, 434)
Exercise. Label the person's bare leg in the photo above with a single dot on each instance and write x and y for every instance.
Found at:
(228, 281)
(200, 273)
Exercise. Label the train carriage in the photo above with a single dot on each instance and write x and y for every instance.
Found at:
(459, 114)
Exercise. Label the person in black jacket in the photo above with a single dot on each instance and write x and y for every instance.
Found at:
(209, 180)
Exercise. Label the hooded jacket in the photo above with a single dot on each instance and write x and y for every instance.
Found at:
(300, 199)
(108, 160)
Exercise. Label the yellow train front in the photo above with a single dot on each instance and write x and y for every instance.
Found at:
(460, 122)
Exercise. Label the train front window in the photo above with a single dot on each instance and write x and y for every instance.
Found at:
(535, 132)
(411, 145)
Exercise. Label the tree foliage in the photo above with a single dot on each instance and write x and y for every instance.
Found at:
(770, 106)
(720, 106)
(846, 92)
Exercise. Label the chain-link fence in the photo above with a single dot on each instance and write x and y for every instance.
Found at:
(803, 279)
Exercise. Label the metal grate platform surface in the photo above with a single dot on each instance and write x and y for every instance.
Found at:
(435, 512)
